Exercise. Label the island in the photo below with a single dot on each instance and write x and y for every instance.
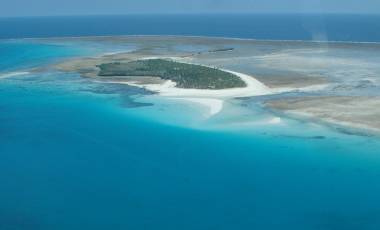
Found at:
(188, 76)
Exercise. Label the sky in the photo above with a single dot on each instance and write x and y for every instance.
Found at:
(14, 8)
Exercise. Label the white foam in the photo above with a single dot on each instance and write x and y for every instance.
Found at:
(311, 88)
(214, 105)
(275, 120)
(12, 74)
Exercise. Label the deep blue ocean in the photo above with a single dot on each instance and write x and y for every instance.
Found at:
(76, 154)
(320, 27)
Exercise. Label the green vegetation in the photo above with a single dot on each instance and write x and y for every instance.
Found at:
(185, 75)
(221, 50)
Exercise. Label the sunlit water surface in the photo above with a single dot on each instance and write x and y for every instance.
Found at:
(76, 154)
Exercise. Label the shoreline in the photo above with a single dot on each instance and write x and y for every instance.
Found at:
(212, 99)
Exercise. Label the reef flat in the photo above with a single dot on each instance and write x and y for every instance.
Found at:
(305, 77)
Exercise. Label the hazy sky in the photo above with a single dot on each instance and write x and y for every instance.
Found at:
(81, 7)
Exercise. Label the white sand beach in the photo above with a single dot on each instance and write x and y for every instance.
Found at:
(213, 99)
(253, 88)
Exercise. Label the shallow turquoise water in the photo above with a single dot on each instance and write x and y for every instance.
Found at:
(80, 155)
(19, 54)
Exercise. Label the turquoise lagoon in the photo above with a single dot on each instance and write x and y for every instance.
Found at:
(76, 154)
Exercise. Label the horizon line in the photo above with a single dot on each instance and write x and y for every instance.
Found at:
(193, 13)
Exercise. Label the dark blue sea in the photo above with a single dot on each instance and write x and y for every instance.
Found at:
(77, 154)
(320, 27)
